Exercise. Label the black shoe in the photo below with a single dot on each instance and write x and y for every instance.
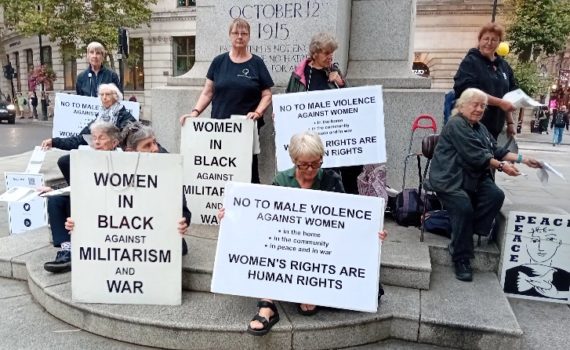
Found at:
(62, 262)
(463, 270)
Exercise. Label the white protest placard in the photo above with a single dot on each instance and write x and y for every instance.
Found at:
(72, 113)
(36, 160)
(350, 122)
(27, 215)
(299, 245)
(215, 151)
(536, 257)
(125, 247)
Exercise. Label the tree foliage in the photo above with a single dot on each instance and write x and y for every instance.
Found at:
(76, 21)
(536, 27)
(529, 77)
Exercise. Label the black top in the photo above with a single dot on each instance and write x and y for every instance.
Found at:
(237, 86)
(495, 78)
(317, 79)
(88, 82)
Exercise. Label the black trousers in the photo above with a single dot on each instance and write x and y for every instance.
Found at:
(63, 164)
(58, 208)
(470, 213)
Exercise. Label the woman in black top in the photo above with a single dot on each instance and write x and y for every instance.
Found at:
(237, 83)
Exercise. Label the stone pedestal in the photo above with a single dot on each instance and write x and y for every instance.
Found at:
(375, 47)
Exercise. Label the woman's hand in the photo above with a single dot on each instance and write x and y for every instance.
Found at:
(511, 130)
(334, 77)
(382, 235)
(221, 213)
(46, 144)
(69, 224)
(506, 106)
(510, 169)
(192, 114)
(532, 163)
(182, 226)
(254, 115)
(44, 189)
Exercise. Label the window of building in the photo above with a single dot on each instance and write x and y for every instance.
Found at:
(134, 67)
(47, 60)
(69, 66)
(184, 54)
(186, 3)
(17, 70)
(30, 60)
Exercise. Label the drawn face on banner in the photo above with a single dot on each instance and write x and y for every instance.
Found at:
(543, 245)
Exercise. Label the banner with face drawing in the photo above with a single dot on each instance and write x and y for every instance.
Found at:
(536, 257)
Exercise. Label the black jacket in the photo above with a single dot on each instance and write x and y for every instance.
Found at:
(495, 78)
(88, 82)
(73, 142)
(564, 118)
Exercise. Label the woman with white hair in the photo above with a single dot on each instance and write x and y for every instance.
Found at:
(462, 175)
(88, 81)
(112, 111)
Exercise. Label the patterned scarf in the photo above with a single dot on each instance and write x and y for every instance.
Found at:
(110, 114)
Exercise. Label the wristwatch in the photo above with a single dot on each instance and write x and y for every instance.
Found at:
(501, 165)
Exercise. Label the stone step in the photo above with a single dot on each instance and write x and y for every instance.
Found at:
(451, 313)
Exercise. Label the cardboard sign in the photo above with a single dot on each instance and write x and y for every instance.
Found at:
(349, 121)
(299, 245)
(125, 246)
(72, 113)
(536, 257)
(215, 151)
(28, 215)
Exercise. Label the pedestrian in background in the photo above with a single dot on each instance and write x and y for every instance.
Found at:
(559, 122)
(22, 102)
(34, 103)
(44, 103)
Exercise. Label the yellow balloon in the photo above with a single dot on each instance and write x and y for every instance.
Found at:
(503, 49)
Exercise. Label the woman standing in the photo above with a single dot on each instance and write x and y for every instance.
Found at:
(237, 83)
(483, 69)
(317, 72)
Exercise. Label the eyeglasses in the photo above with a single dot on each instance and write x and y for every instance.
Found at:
(239, 34)
(491, 40)
(306, 166)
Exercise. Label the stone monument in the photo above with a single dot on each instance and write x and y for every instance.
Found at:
(375, 47)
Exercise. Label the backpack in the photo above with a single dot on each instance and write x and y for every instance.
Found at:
(438, 222)
(409, 206)
(559, 120)
(448, 104)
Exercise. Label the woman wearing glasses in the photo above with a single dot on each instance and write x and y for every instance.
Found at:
(461, 173)
(483, 69)
(237, 83)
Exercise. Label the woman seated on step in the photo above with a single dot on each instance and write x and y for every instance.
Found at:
(104, 137)
(136, 137)
(306, 150)
(461, 173)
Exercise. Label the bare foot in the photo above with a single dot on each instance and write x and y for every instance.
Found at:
(308, 307)
(264, 312)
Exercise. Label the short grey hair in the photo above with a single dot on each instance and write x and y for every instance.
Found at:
(133, 133)
(97, 46)
(113, 88)
(306, 143)
(106, 128)
(467, 96)
(322, 42)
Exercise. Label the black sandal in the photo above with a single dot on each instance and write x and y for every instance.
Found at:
(307, 312)
(267, 324)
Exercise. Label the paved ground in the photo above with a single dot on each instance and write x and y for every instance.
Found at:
(22, 136)
(26, 325)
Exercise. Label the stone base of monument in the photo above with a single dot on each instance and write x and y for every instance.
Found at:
(424, 302)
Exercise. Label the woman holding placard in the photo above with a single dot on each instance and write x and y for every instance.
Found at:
(237, 83)
(318, 72)
(306, 150)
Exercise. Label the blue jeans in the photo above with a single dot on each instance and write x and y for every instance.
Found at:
(557, 135)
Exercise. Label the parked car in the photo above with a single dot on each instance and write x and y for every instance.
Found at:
(7, 112)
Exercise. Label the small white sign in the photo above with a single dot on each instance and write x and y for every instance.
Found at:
(36, 161)
(536, 257)
(27, 215)
(72, 113)
(350, 122)
(215, 151)
(299, 245)
(126, 248)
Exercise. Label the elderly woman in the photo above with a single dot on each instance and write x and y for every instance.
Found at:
(461, 174)
(237, 83)
(112, 112)
(317, 72)
(483, 69)
(104, 137)
(306, 150)
(90, 79)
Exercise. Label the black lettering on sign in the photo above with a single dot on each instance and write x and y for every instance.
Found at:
(131, 287)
